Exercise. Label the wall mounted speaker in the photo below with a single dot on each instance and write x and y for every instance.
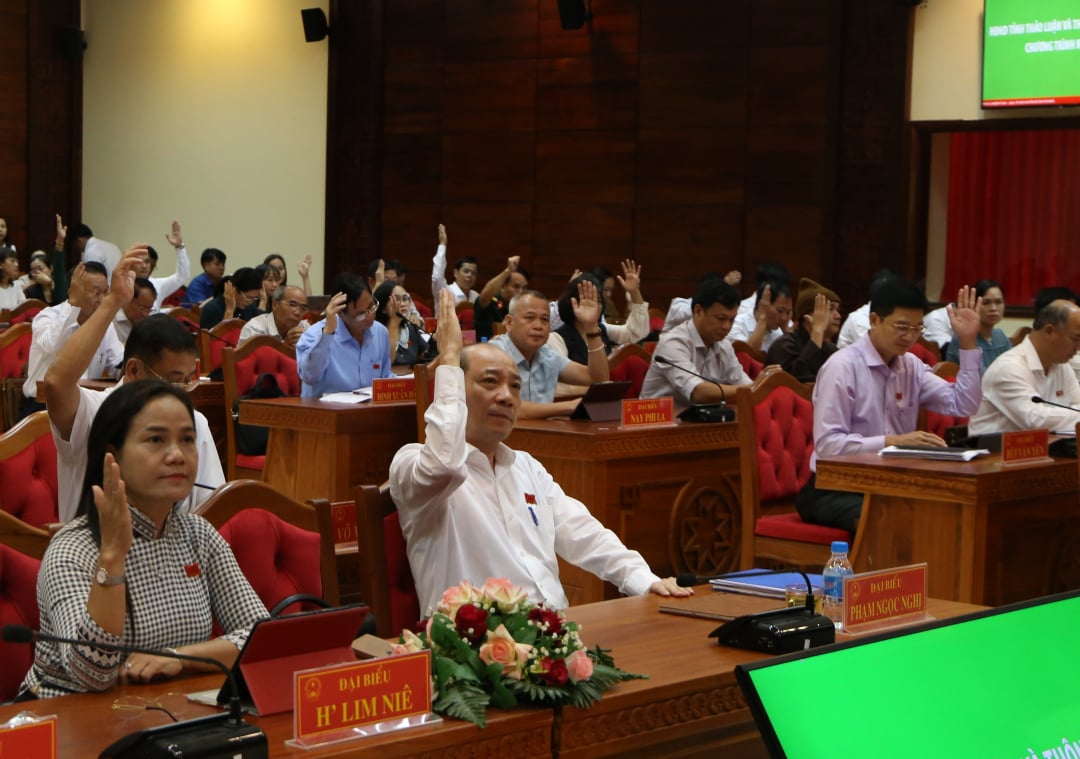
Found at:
(315, 26)
(572, 14)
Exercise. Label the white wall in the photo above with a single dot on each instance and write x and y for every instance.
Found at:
(946, 66)
(212, 112)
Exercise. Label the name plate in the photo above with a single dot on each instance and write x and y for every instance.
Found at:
(392, 390)
(34, 739)
(342, 697)
(1025, 445)
(884, 598)
(647, 412)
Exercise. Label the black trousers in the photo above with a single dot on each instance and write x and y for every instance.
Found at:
(833, 508)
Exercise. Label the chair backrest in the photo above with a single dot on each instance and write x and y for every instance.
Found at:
(18, 606)
(1019, 335)
(241, 366)
(15, 350)
(28, 471)
(25, 312)
(466, 314)
(931, 348)
(749, 364)
(630, 362)
(180, 314)
(942, 425)
(422, 308)
(923, 353)
(386, 579)
(424, 387)
(279, 556)
(212, 342)
(337, 534)
(741, 346)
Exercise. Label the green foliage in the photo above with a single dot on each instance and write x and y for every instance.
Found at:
(464, 701)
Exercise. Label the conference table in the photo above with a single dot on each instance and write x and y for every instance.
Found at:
(990, 533)
(318, 449)
(671, 492)
(690, 704)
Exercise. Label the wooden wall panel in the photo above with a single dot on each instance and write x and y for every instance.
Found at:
(693, 136)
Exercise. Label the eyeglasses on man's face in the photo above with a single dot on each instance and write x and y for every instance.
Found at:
(907, 330)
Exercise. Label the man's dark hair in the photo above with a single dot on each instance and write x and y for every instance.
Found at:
(896, 293)
(1048, 295)
(152, 253)
(211, 254)
(352, 284)
(711, 289)
(95, 267)
(1055, 313)
(141, 283)
(465, 260)
(243, 279)
(155, 334)
(395, 265)
(522, 272)
(79, 230)
(771, 271)
(881, 275)
(777, 289)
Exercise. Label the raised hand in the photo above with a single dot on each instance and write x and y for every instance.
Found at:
(175, 238)
(442, 234)
(820, 319)
(304, 267)
(587, 306)
(733, 277)
(114, 517)
(764, 304)
(61, 233)
(333, 308)
(448, 333)
(964, 317)
(512, 263)
(122, 286)
(230, 299)
(631, 278)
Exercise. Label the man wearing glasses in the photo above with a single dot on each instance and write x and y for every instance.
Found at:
(867, 396)
(159, 347)
(347, 349)
(284, 321)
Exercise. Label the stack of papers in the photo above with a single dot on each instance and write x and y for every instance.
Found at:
(934, 452)
(754, 583)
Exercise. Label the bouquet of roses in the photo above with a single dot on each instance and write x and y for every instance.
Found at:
(489, 645)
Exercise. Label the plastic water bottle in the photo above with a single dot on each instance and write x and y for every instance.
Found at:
(832, 577)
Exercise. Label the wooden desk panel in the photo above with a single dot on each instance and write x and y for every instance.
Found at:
(639, 483)
(990, 534)
(324, 450)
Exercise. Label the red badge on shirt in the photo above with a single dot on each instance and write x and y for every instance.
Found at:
(1059, 393)
(530, 499)
(899, 396)
(192, 569)
(375, 366)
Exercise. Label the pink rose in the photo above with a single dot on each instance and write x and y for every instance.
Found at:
(409, 643)
(503, 594)
(579, 665)
(501, 648)
(455, 597)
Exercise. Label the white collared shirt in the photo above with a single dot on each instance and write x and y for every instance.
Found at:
(53, 327)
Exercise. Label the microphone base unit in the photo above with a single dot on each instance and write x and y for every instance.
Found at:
(215, 737)
(780, 631)
(708, 412)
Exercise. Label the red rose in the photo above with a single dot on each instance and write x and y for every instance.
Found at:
(471, 623)
(540, 616)
(555, 672)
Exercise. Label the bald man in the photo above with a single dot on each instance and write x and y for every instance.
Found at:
(472, 508)
(1037, 366)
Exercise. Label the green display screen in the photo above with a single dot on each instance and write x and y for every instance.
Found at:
(998, 686)
(1031, 53)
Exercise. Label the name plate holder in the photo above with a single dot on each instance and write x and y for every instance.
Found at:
(1025, 447)
(885, 598)
(346, 702)
(648, 412)
(24, 736)
(393, 390)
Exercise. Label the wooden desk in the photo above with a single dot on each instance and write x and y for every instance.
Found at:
(689, 706)
(671, 493)
(324, 450)
(990, 534)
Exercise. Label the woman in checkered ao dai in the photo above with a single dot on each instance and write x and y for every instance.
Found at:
(131, 568)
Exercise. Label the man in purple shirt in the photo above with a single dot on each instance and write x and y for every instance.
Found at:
(867, 396)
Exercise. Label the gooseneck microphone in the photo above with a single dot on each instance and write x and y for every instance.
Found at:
(688, 579)
(195, 329)
(1040, 399)
(702, 412)
(224, 735)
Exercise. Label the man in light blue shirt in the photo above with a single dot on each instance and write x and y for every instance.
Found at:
(347, 349)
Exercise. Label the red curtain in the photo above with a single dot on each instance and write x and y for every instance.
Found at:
(1014, 211)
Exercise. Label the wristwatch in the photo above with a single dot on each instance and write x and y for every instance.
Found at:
(104, 578)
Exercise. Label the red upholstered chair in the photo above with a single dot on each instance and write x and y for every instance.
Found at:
(386, 580)
(466, 314)
(28, 488)
(182, 314)
(923, 352)
(14, 356)
(241, 366)
(23, 313)
(630, 362)
(423, 308)
(944, 426)
(1019, 335)
(212, 342)
(275, 540)
(24, 538)
(18, 606)
(749, 364)
(776, 439)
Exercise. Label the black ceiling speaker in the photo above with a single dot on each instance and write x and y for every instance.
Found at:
(315, 26)
(572, 14)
